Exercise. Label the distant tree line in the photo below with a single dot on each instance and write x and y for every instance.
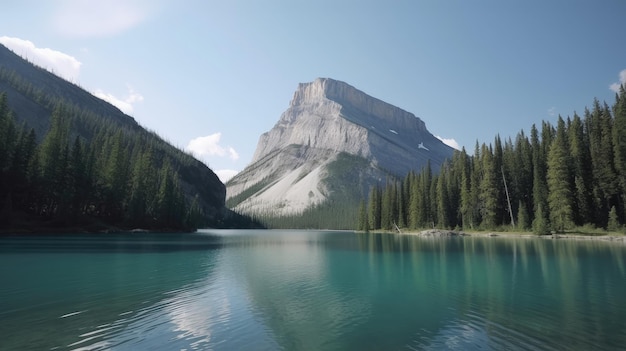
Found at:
(559, 177)
(332, 214)
(115, 176)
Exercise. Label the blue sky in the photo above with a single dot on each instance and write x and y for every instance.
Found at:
(212, 76)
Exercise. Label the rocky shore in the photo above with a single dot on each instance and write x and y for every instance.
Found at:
(441, 233)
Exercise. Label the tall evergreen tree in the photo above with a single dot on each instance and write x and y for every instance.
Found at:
(581, 171)
(415, 198)
(540, 187)
(116, 176)
(560, 199)
(522, 171)
(363, 221)
(541, 224)
(523, 219)
(619, 145)
(441, 199)
(386, 209)
(466, 205)
(373, 214)
(599, 124)
(54, 161)
(488, 189)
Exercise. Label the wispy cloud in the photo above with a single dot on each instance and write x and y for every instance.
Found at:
(450, 142)
(622, 80)
(209, 145)
(80, 18)
(125, 104)
(552, 111)
(61, 64)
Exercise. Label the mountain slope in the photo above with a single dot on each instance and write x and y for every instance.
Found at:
(34, 95)
(332, 144)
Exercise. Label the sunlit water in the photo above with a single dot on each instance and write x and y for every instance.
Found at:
(308, 290)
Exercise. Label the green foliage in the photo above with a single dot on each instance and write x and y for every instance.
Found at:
(523, 219)
(374, 209)
(540, 223)
(488, 189)
(333, 214)
(560, 199)
(237, 199)
(558, 178)
(115, 179)
(363, 222)
(613, 224)
(77, 161)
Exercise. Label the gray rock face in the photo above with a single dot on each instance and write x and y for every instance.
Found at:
(326, 118)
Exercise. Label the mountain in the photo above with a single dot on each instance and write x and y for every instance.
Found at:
(331, 145)
(128, 176)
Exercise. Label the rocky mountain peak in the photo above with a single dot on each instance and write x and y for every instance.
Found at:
(327, 118)
(350, 98)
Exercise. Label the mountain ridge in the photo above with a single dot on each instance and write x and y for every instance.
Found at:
(34, 95)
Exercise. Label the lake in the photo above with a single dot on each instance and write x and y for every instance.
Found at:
(309, 290)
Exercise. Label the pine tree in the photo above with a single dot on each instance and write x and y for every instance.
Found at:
(603, 172)
(498, 160)
(78, 178)
(116, 175)
(488, 189)
(363, 221)
(523, 219)
(613, 224)
(476, 176)
(540, 188)
(581, 169)
(619, 145)
(373, 214)
(541, 225)
(54, 157)
(166, 196)
(560, 200)
(414, 200)
(425, 212)
(466, 205)
(442, 199)
(140, 189)
(386, 209)
(522, 175)
(402, 198)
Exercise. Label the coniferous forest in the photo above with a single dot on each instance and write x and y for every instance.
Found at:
(553, 179)
(67, 180)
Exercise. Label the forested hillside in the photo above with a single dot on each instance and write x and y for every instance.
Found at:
(70, 160)
(557, 178)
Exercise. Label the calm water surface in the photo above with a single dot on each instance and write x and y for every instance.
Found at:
(309, 290)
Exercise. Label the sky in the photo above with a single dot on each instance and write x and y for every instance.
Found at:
(212, 76)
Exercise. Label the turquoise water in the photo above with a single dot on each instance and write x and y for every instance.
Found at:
(309, 290)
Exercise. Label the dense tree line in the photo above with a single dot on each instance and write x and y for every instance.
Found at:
(556, 178)
(333, 214)
(84, 170)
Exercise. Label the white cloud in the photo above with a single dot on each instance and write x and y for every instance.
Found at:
(552, 111)
(125, 104)
(622, 80)
(209, 145)
(225, 174)
(83, 18)
(450, 142)
(61, 64)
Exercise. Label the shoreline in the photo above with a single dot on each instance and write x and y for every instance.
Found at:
(442, 233)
